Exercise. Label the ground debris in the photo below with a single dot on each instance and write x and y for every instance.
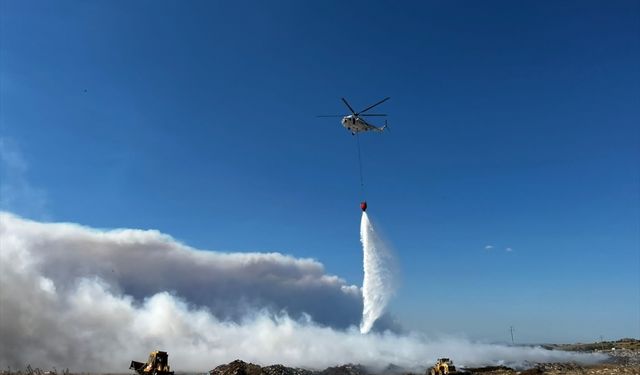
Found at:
(282, 370)
(576, 369)
(34, 371)
(614, 367)
(491, 370)
(349, 369)
(239, 367)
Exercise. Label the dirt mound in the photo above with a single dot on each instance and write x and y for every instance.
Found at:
(349, 369)
(282, 370)
(239, 367)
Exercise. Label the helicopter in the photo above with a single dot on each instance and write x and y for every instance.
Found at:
(356, 123)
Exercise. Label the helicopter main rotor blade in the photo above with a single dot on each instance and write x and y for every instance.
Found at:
(351, 109)
(371, 106)
(373, 114)
(331, 116)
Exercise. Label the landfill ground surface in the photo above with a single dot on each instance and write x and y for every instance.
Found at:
(614, 366)
(623, 358)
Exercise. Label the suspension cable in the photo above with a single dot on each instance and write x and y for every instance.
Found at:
(360, 165)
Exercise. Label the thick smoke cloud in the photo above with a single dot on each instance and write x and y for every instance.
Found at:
(93, 300)
(141, 263)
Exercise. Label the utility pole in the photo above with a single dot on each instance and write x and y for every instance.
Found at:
(511, 329)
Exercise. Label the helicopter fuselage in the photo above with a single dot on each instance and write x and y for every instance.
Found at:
(356, 124)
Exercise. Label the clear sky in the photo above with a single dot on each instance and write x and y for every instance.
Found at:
(514, 125)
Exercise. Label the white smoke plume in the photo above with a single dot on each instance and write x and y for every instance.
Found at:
(142, 263)
(16, 193)
(378, 284)
(93, 300)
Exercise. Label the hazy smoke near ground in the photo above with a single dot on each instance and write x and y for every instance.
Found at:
(378, 283)
(92, 300)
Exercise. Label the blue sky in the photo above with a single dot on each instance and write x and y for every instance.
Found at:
(514, 125)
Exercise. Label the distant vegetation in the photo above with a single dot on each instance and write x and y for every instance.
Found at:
(626, 343)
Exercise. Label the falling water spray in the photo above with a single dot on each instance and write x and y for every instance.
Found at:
(378, 284)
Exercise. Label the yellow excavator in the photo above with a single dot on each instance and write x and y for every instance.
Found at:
(443, 366)
(157, 364)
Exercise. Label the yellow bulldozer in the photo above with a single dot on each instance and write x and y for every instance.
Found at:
(442, 367)
(157, 364)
